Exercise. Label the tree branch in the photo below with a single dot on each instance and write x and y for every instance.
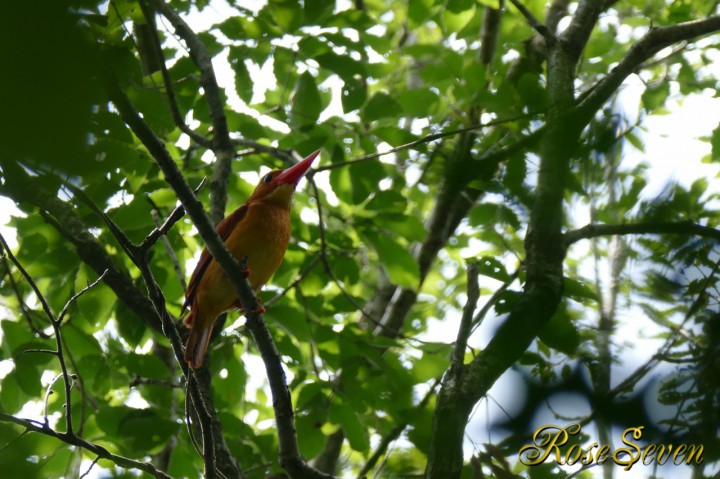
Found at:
(490, 32)
(473, 293)
(21, 187)
(653, 41)
(557, 10)
(681, 227)
(222, 144)
(56, 323)
(177, 116)
(533, 21)
(282, 403)
(581, 26)
(74, 440)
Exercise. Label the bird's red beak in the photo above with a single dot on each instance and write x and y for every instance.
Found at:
(295, 173)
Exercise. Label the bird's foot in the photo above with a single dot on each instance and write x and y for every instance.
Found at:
(260, 309)
(246, 271)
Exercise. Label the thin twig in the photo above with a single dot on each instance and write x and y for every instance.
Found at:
(480, 316)
(5, 250)
(48, 393)
(78, 294)
(395, 432)
(97, 458)
(23, 307)
(326, 261)
(137, 381)
(301, 276)
(532, 20)
(130, 249)
(173, 218)
(169, 250)
(426, 139)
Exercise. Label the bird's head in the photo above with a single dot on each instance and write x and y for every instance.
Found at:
(278, 186)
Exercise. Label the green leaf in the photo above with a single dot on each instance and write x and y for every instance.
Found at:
(344, 66)
(310, 438)
(130, 326)
(80, 342)
(654, 96)
(387, 201)
(28, 376)
(12, 398)
(420, 10)
(246, 125)
(287, 13)
(578, 290)
(399, 263)
(419, 102)
(291, 319)
(317, 10)
(354, 94)
(144, 431)
(560, 333)
(145, 365)
(232, 28)
(306, 106)
(243, 82)
(715, 143)
(492, 268)
(381, 105)
(457, 20)
(355, 432)
(433, 363)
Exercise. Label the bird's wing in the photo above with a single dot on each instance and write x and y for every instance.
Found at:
(224, 228)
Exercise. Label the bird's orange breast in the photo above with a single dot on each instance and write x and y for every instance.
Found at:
(263, 236)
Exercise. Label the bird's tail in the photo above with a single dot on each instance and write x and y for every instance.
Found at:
(198, 341)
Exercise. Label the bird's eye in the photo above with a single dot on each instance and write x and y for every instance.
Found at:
(267, 179)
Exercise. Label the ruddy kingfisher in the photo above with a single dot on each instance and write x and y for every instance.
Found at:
(259, 230)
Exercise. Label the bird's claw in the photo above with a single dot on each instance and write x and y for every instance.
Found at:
(260, 309)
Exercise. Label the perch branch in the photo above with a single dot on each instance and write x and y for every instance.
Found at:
(290, 458)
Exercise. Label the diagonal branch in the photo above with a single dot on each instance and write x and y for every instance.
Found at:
(652, 42)
(80, 442)
(532, 20)
(290, 458)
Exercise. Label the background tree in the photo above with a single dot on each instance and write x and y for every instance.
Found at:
(469, 138)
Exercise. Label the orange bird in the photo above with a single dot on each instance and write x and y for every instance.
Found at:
(260, 230)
